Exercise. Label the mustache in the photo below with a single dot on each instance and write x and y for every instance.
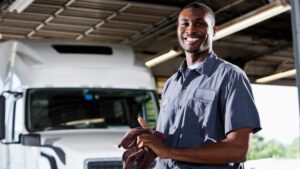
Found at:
(191, 35)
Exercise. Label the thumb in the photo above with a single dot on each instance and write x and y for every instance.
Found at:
(142, 122)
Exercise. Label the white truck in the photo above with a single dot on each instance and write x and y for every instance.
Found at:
(67, 105)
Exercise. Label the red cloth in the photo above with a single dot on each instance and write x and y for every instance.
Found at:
(138, 158)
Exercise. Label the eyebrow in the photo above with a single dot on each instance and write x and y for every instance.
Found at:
(198, 19)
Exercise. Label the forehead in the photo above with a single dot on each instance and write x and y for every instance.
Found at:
(193, 13)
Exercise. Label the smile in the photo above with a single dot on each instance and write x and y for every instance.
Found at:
(191, 40)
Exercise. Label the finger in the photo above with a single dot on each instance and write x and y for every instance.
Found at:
(142, 122)
(138, 140)
(142, 140)
(141, 145)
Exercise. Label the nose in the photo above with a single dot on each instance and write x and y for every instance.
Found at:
(191, 29)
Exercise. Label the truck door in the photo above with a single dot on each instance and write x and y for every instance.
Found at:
(12, 155)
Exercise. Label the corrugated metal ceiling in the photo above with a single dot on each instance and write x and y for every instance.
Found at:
(89, 20)
(149, 26)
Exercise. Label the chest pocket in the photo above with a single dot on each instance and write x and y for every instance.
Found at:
(196, 118)
(202, 102)
(198, 110)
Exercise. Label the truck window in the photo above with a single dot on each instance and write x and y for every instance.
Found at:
(54, 109)
(83, 49)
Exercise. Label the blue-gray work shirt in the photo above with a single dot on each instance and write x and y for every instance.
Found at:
(202, 108)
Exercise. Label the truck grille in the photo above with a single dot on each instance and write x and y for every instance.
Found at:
(107, 164)
(104, 165)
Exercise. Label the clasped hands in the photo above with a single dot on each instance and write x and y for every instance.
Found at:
(153, 142)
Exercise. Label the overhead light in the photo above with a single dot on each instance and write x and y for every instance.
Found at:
(171, 54)
(252, 18)
(19, 5)
(277, 76)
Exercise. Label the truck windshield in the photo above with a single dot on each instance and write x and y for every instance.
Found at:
(55, 109)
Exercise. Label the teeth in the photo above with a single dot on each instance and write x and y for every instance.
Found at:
(191, 39)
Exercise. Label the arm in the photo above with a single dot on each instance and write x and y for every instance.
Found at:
(232, 149)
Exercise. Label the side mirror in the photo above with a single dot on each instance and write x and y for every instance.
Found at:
(31, 139)
(2, 117)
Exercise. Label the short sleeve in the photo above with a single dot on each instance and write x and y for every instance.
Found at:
(240, 109)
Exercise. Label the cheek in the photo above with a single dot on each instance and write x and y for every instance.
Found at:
(179, 32)
(179, 37)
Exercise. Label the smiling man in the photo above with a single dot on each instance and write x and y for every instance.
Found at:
(208, 113)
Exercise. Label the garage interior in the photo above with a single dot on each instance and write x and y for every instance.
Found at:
(149, 27)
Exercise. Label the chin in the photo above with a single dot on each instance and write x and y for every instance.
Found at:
(198, 51)
(194, 52)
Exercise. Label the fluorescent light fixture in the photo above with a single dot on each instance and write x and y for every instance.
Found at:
(19, 5)
(171, 54)
(251, 18)
(277, 76)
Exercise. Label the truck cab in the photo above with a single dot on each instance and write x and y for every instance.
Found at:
(67, 105)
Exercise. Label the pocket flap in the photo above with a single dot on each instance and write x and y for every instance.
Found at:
(204, 94)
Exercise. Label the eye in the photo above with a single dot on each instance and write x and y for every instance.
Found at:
(184, 24)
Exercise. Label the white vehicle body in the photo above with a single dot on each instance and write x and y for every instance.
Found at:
(38, 78)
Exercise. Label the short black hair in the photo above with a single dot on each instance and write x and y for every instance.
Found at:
(201, 6)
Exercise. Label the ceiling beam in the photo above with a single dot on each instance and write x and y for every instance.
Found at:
(51, 17)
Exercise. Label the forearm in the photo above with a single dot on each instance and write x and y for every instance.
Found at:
(219, 153)
(232, 149)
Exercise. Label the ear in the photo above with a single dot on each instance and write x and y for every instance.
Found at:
(215, 29)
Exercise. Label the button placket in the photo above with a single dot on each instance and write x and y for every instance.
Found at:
(181, 99)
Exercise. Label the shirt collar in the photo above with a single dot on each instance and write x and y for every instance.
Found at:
(206, 68)
(181, 69)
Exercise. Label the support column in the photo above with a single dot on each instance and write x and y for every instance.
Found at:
(295, 16)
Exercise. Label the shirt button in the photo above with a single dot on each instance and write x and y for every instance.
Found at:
(174, 127)
(179, 107)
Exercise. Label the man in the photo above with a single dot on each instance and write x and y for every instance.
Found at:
(208, 112)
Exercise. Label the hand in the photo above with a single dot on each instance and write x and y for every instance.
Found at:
(153, 142)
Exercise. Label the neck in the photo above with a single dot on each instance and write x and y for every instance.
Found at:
(193, 58)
